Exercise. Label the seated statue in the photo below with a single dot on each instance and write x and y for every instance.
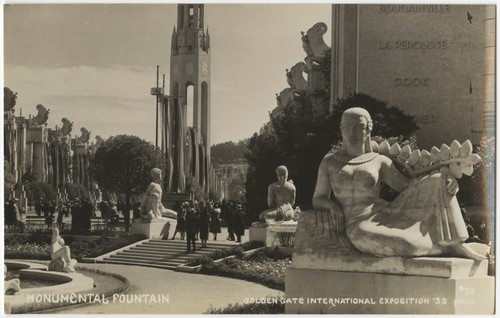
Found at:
(424, 220)
(280, 199)
(151, 206)
(61, 255)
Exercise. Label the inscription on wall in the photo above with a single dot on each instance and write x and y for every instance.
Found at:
(411, 82)
(404, 45)
(426, 119)
(415, 8)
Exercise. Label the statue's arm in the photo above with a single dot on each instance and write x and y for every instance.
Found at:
(55, 234)
(392, 176)
(292, 197)
(321, 198)
(270, 197)
(398, 181)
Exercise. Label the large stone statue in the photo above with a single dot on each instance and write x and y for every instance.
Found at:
(85, 137)
(66, 127)
(42, 116)
(424, 220)
(151, 206)
(280, 199)
(61, 255)
(9, 99)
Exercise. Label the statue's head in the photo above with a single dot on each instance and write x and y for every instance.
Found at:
(356, 126)
(282, 172)
(156, 174)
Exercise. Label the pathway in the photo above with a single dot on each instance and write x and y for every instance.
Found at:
(187, 293)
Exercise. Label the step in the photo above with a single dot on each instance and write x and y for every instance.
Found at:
(167, 249)
(156, 254)
(140, 261)
(174, 246)
(211, 243)
(142, 257)
(171, 267)
(139, 253)
(146, 261)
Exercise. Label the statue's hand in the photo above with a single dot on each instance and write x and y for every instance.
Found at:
(451, 184)
(337, 218)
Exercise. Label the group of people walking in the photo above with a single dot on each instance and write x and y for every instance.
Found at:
(195, 221)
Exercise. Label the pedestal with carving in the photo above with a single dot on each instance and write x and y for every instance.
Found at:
(280, 234)
(155, 228)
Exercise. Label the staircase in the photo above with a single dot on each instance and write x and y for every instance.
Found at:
(166, 254)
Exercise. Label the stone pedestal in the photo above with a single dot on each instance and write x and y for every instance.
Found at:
(282, 234)
(155, 228)
(58, 265)
(335, 292)
(329, 278)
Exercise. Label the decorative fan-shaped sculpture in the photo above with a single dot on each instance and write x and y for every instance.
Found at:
(456, 159)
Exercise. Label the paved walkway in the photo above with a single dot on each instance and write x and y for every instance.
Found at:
(187, 293)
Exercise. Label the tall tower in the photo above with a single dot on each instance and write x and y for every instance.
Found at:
(190, 66)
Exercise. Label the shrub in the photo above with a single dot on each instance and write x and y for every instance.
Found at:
(249, 309)
(259, 269)
(38, 246)
(238, 251)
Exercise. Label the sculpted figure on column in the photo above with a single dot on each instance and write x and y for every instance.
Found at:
(425, 219)
(60, 254)
(151, 206)
(280, 199)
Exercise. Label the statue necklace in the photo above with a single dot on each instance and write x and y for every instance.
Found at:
(366, 157)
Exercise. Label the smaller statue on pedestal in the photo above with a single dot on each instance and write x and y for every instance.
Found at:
(151, 206)
(42, 116)
(280, 199)
(61, 255)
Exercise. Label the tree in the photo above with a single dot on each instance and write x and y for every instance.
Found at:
(76, 190)
(229, 151)
(192, 186)
(300, 140)
(123, 164)
(9, 181)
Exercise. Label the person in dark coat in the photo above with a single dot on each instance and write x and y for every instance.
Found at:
(181, 221)
(191, 228)
(50, 211)
(239, 223)
(10, 213)
(227, 214)
(215, 215)
(204, 220)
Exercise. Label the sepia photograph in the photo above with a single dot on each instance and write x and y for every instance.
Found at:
(249, 158)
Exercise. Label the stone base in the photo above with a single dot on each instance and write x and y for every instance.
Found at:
(155, 228)
(58, 265)
(281, 234)
(333, 292)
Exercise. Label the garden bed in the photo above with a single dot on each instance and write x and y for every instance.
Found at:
(37, 246)
(266, 267)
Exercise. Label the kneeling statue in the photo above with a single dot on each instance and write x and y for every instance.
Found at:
(151, 206)
(424, 220)
(280, 199)
(61, 255)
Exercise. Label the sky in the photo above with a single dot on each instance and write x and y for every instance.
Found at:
(95, 63)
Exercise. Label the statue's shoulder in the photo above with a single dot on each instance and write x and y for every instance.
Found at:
(290, 185)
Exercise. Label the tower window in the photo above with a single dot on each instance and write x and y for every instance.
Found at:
(191, 17)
